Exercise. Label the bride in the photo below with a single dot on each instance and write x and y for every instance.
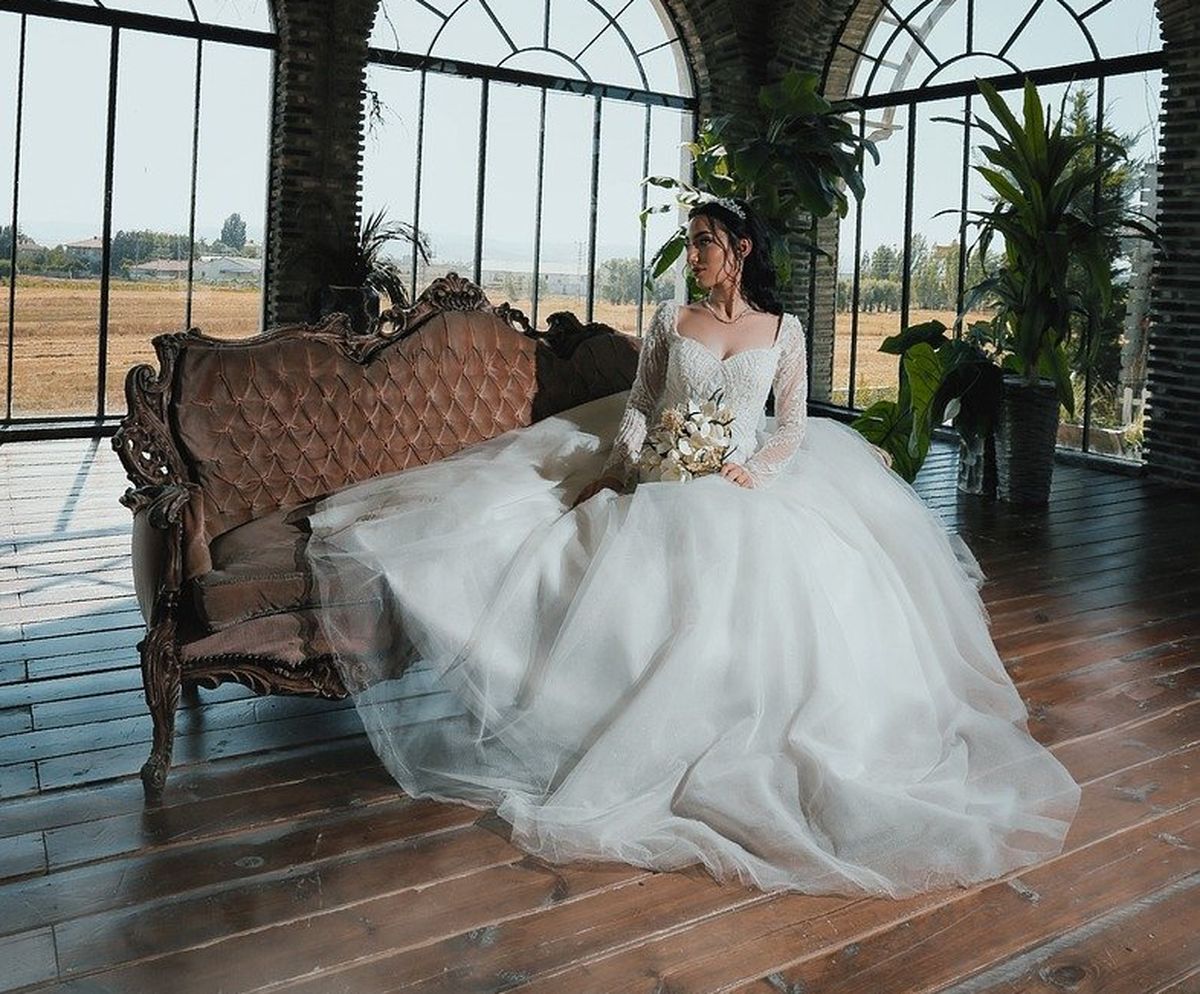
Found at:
(781, 670)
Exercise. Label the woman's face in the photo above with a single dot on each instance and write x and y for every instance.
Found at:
(711, 257)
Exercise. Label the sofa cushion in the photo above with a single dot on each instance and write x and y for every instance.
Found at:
(279, 419)
(258, 570)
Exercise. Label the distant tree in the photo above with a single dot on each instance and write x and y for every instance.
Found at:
(885, 263)
(513, 286)
(233, 231)
(131, 247)
(6, 240)
(619, 280)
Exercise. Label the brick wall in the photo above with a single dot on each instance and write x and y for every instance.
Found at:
(316, 143)
(1173, 433)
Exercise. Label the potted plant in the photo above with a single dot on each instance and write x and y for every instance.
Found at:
(1055, 273)
(940, 379)
(351, 273)
(793, 161)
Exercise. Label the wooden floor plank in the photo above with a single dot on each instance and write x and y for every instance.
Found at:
(282, 855)
(1138, 946)
(27, 959)
(240, 775)
(527, 951)
(944, 945)
(411, 918)
(22, 855)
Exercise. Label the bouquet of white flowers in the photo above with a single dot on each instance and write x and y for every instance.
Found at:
(691, 439)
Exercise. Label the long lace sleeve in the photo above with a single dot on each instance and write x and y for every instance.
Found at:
(791, 407)
(643, 396)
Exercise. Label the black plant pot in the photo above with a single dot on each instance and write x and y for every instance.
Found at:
(1025, 439)
(359, 303)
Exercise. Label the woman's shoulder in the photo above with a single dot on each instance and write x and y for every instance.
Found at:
(791, 328)
(664, 317)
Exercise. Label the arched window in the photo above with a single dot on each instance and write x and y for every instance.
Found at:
(516, 133)
(134, 142)
(912, 65)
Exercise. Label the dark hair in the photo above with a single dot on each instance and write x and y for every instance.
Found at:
(758, 274)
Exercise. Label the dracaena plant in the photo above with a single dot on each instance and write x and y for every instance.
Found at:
(1055, 272)
(363, 264)
(793, 161)
(356, 259)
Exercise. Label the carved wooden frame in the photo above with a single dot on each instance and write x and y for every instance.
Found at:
(162, 487)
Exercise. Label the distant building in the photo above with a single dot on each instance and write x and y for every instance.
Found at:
(26, 246)
(159, 269)
(228, 269)
(90, 250)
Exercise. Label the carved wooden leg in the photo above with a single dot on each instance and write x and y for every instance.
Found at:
(160, 677)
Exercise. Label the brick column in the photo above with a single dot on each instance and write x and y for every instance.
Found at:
(316, 143)
(1172, 441)
(804, 31)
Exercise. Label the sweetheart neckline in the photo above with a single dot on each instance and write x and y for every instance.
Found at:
(673, 324)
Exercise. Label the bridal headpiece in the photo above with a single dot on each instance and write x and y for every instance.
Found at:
(730, 205)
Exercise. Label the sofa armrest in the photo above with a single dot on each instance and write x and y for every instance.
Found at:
(157, 545)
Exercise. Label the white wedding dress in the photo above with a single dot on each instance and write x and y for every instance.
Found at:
(792, 684)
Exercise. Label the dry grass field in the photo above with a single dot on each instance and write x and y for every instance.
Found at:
(56, 337)
(875, 372)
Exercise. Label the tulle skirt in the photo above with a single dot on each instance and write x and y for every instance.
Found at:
(792, 685)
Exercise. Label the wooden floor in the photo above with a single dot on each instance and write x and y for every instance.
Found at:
(283, 858)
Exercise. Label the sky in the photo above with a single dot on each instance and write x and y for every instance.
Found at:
(63, 142)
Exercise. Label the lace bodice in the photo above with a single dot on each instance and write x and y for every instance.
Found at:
(673, 368)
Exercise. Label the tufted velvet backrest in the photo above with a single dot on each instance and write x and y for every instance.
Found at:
(274, 421)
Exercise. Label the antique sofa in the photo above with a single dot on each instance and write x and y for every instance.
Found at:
(227, 437)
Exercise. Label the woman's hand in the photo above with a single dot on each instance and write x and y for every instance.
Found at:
(593, 488)
(738, 474)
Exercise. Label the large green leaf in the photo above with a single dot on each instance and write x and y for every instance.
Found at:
(923, 370)
(931, 332)
(886, 425)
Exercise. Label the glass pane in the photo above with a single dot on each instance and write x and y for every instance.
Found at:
(1121, 27)
(937, 188)
(882, 246)
(510, 210)
(547, 63)
(390, 155)
(235, 108)
(995, 24)
(1033, 50)
(610, 59)
(61, 207)
(524, 21)
(472, 35)
(617, 229)
(10, 32)
(566, 203)
(1120, 343)
(252, 14)
(668, 130)
(177, 9)
(404, 26)
(449, 174)
(946, 29)
(151, 189)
